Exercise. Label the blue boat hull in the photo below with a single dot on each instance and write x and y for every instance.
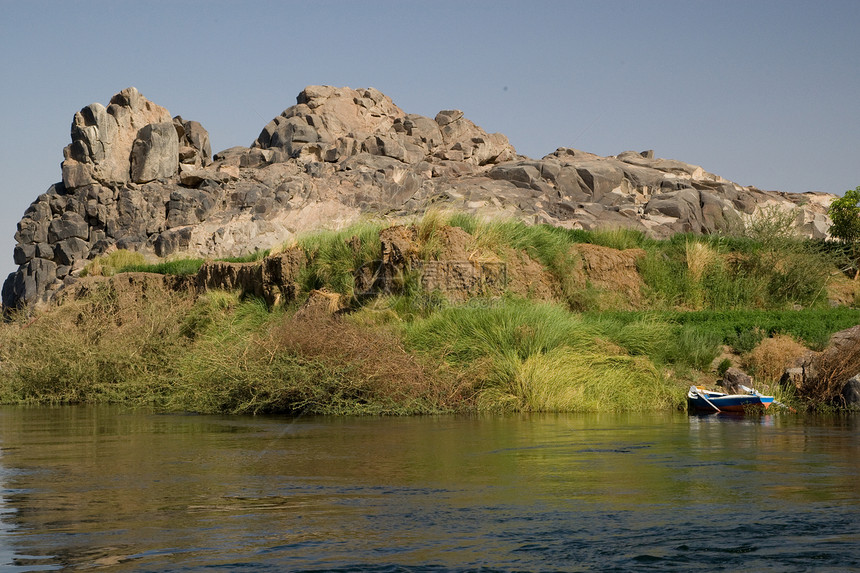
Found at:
(717, 401)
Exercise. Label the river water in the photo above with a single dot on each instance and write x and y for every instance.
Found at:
(105, 489)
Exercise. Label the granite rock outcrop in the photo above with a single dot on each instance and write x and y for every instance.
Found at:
(133, 177)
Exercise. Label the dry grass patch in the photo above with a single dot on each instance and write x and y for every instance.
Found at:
(111, 345)
(375, 365)
(700, 257)
(772, 356)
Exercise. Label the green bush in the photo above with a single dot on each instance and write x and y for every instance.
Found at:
(693, 347)
(667, 284)
(744, 272)
(513, 327)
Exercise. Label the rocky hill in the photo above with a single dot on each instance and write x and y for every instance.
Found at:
(136, 178)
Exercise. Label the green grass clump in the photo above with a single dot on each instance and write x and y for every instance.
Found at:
(693, 347)
(550, 246)
(209, 308)
(512, 327)
(175, 267)
(656, 336)
(718, 272)
(566, 380)
(620, 238)
(465, 221)
(540, 357)
(112, 263)
(743, 329)
(336, 256)
(123, 261)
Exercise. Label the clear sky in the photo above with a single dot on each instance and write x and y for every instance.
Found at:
(764, 93)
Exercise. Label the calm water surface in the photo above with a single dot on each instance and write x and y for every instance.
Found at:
(112, 490)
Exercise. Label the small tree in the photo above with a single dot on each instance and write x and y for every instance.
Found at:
(845, 214)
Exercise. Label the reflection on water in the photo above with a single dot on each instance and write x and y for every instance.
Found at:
(130, 491)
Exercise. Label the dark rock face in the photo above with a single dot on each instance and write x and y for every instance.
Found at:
(734, 378)
(851, 392)
(33, 277)
(135, 178)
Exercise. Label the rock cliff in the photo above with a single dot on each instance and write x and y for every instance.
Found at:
(135, 178)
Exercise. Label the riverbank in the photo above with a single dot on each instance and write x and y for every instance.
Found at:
(574, 321)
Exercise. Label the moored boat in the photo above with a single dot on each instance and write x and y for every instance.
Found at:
(701, 400)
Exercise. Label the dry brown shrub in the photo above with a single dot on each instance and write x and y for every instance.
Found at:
(828, 372)
(108, 341)
(374, 360)
(772, 356)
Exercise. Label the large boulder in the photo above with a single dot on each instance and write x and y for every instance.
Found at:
(103, 138)
(332, 124)
(683, 205)
(851, 392)
(194, 148)
(734, 378)
(31, 282)
(155, 152)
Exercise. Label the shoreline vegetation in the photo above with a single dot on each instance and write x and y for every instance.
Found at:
(565, 335)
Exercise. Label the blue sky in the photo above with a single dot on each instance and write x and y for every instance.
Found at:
(764, 93)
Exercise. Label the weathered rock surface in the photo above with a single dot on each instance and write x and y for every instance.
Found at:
(103, 139)
(850, 393)
(155, 152)
(452, 270)
(613, 271)
(734, 378)
(275, 278)
(131, 285)
(135, 178)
